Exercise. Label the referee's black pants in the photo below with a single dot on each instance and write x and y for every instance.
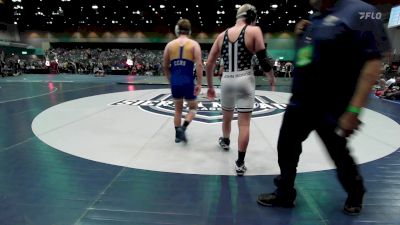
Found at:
(297, 124)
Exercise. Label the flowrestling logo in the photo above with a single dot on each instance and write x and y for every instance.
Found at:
(370, 15)
(207, 112)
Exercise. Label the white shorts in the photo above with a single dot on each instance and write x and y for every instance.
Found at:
(237, 91)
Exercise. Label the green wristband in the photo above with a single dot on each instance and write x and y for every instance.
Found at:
(353, 109)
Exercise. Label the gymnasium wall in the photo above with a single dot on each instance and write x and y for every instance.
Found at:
(9, 32)
(279, 45)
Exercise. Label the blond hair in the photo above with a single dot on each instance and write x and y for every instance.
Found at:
(242, 11)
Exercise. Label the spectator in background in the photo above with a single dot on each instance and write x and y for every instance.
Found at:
(54, 67)
(2, 56)
(392, 92)
(289, 69)
(276, 66)
(2, 65)
(98, 70)
(390, 81)
(381, 87)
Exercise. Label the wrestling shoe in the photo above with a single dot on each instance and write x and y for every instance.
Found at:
(224, 143)
(180, 135)
(240, 169)
(272, 199)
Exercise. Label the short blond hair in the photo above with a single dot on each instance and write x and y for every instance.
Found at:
(242, 11)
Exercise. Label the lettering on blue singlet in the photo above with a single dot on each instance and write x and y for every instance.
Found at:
(180, 63)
